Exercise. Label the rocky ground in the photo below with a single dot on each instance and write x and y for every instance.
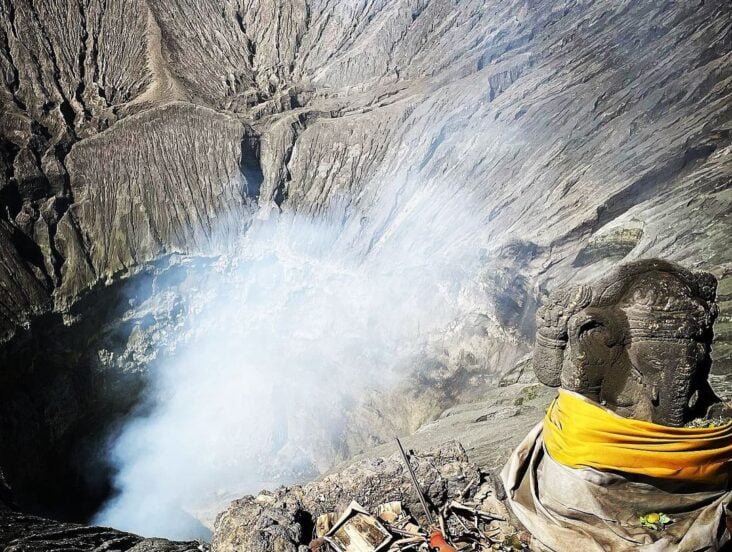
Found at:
(284, 520)
(583, 132)
(25, 533)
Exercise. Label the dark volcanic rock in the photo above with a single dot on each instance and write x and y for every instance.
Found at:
(55, 418)
(24, 533)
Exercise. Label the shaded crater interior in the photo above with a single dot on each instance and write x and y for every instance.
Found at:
(69, 384)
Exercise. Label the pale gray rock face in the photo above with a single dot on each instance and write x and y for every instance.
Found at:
(119, 213)
(583, 133)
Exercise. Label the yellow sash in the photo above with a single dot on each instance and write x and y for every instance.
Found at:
(580, 433)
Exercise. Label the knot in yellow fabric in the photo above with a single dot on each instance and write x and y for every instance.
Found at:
(580, 433)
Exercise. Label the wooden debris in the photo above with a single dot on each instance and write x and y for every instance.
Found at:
(324, 524)
(469, 486)
(389, 512)
(454, 505)
(358, 531)
(465, 522)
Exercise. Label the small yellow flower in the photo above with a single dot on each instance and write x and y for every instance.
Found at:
(655, 521)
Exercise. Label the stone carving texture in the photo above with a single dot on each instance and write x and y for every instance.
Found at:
(637, 341)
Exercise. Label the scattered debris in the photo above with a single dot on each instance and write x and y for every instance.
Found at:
(718, 421)
(462, 528)
(289, 519)
(477, 525)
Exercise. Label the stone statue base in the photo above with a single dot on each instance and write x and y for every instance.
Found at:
(593, 511)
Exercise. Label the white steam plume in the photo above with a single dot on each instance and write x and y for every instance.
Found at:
(292, 326)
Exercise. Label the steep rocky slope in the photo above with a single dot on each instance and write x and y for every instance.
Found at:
(581, 132)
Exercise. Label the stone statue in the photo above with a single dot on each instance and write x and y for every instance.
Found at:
(637, 341)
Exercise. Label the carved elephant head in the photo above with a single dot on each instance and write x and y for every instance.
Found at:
(637, 341)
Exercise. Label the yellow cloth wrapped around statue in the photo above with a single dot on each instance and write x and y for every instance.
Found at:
(584, 476)
(579, 433)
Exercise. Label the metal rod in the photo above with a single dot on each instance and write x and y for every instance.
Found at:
(420, 494)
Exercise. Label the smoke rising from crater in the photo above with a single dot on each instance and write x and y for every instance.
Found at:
(286, 330)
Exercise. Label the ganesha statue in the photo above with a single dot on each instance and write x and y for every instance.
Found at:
(636, 432)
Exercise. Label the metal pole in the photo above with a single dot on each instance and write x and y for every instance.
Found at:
(420, 494)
